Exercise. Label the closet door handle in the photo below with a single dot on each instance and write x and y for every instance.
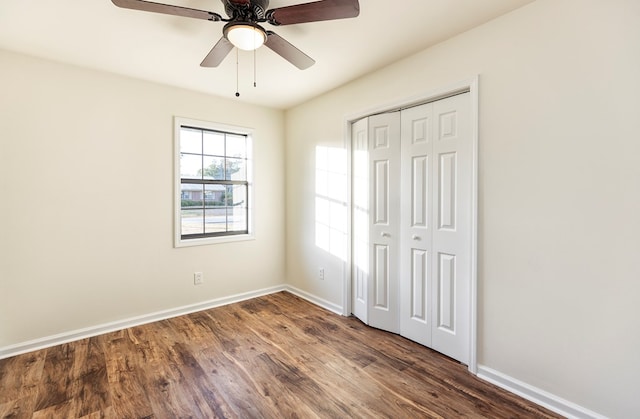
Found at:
(415, 237)
(385, 234)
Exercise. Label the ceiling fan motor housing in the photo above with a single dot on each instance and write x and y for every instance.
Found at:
(246, 10)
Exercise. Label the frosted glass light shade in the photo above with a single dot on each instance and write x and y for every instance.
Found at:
(246, 37)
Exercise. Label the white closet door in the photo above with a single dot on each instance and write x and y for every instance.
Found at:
(416, 223)
(436, 225)
(412, 209)
(451, 249)
(360, 219)
(384, 195)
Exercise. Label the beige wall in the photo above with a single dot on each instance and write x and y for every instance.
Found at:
(559, 230)
(86, 221)
(559, 196)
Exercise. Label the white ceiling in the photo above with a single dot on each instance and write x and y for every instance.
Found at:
(169, 49)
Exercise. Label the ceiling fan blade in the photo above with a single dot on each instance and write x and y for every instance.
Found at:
(167, 9)
(314, 12)
(287, 51)
(218, 53)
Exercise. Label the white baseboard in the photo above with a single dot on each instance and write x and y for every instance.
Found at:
(536, 395)
(46, 342)
(315, 300)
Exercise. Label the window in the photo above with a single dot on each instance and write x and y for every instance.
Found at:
(213, 183)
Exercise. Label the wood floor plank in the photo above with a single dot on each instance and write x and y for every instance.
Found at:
(17, 409)
(107, 413)
(54, 390)
(199, 386)
(22, 385)
(163, 379)
(19, 377)
(65, 409)
(125, 375)
(270, 357)
(90, 387)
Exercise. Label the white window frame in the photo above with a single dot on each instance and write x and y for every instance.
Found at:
(177, 224)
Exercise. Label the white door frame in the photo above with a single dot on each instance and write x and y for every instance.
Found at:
(470, 85)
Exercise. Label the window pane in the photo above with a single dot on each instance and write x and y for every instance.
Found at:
(236, 195)
(190, 166)
(215, 220)
(190, 196)
(214, 195)
(192, 221)
(237, 207)
(236, 169)
(237, 218)
(213, 168)
(213, 143)
(190, 140)
(237, 146)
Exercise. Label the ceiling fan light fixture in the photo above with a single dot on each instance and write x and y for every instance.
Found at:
(246, 36)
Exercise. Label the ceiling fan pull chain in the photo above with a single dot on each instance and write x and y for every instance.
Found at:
(254, 69)
(237, 73)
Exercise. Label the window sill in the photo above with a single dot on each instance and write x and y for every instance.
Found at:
(212, 240)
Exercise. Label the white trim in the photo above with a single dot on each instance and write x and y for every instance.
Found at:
(178, 122)
(536, 395)
(431, 95)
(473, 310)
(46, 342)
(471, 85)
(212, 240)
(347, 290)
(327, 305)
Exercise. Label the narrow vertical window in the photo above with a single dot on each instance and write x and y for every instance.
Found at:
(213, 188)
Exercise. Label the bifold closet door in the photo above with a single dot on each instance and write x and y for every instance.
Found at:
(417, 190)
(436, 225)
(376, 220)
(411, 225)
(384, 233)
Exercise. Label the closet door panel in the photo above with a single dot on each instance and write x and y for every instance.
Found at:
(419, 285)
(419, 190)
(384, 163)
(361, 219)
(381, 277)
(416, 209)
(447, 198)
(451, 249)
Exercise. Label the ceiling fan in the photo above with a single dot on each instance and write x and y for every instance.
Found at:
(243, 29)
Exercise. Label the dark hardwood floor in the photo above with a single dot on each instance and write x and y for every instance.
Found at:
(276, 356)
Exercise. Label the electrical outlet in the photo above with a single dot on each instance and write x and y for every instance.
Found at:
(321, 274)
(198, 278)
